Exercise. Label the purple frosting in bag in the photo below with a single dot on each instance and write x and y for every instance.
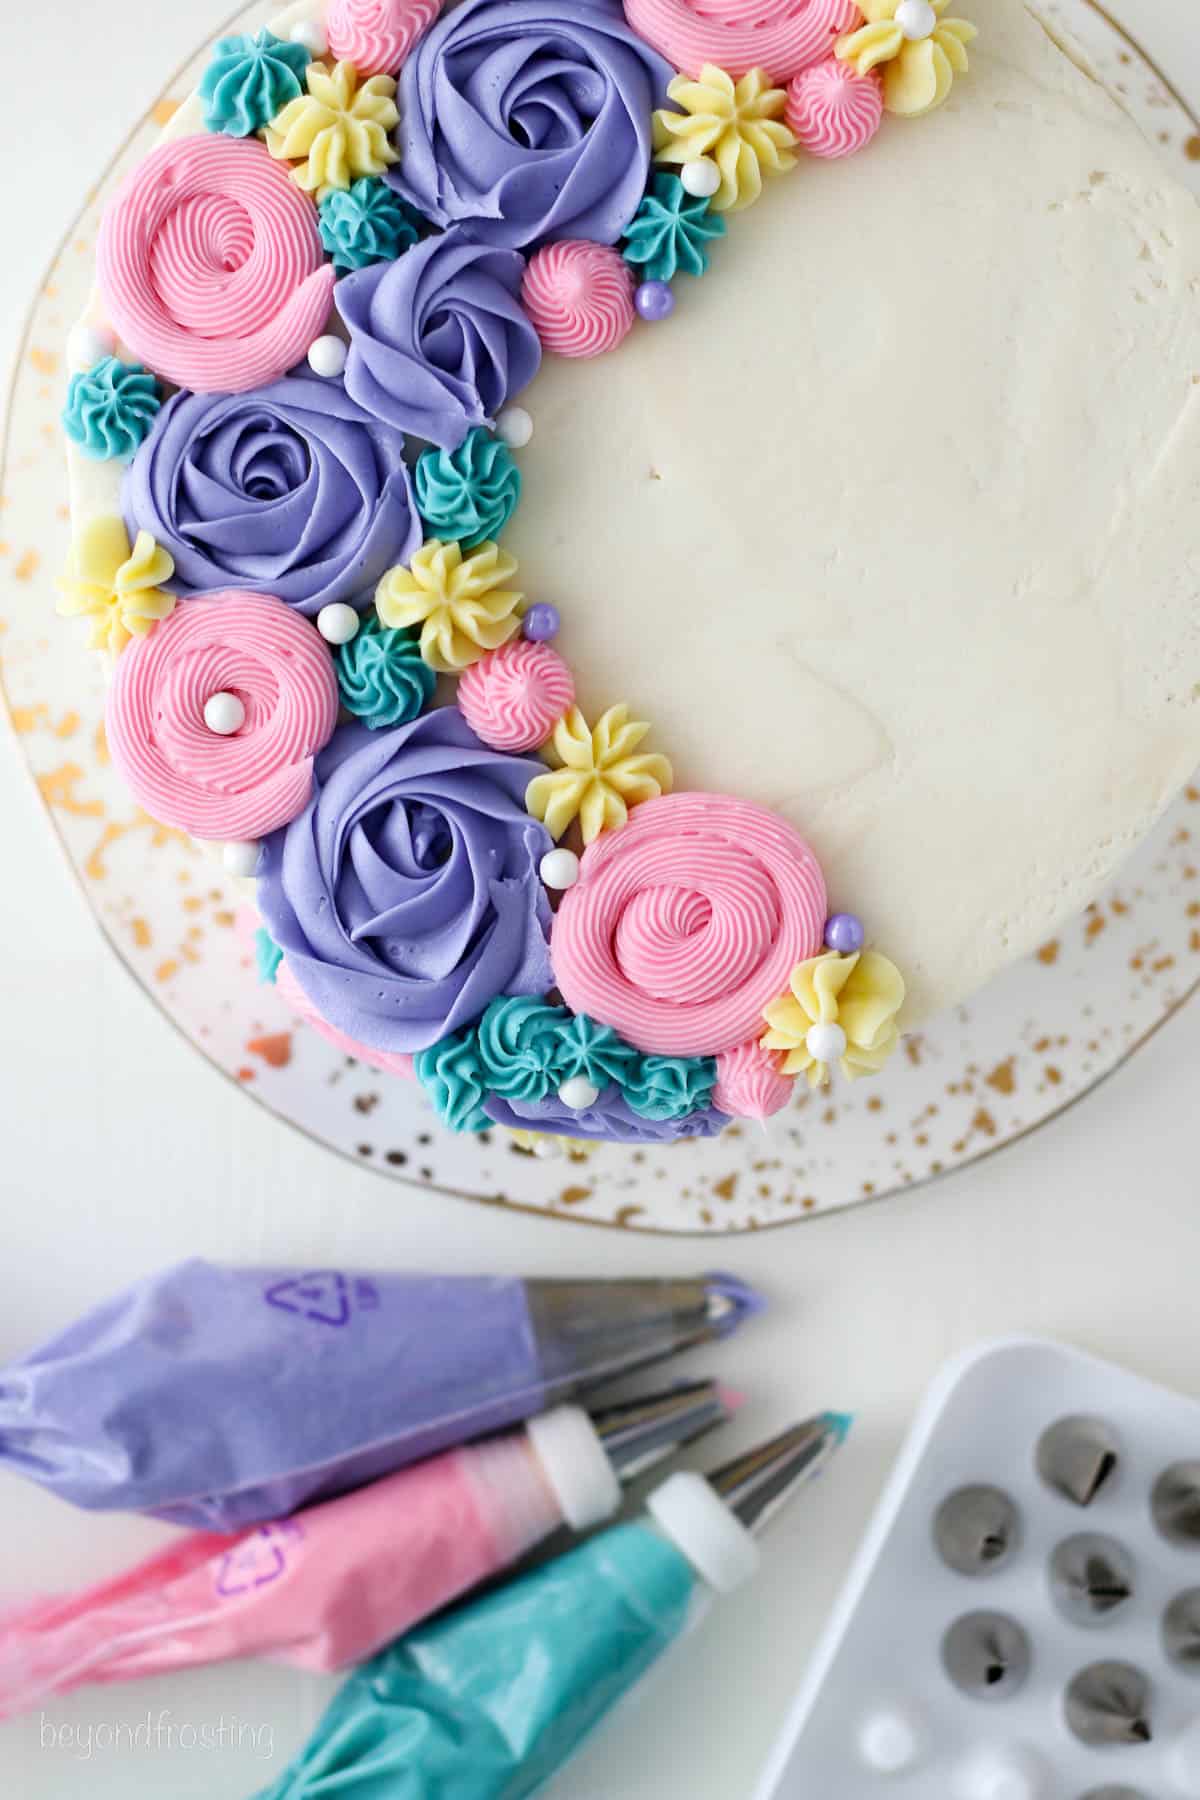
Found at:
(438, 340)
(528, 120)
(406, 896)
(610, 1120)
(291, 490)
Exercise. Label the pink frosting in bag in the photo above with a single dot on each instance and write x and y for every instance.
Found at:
(686, 921)
(211, 267)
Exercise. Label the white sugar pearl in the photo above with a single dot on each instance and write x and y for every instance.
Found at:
(701, 178)
(311, 34)
(337, 622)
(327, 356)
(514, 427)
(241, 859)
(224, 713)
(916, 19)
(825, 1043)
(1013, 1773)
(889, 1742)
(548, 1148)
(87, 344)
(578, 1093)
(559, 868)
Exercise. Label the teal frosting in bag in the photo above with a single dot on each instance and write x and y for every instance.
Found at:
(488, 1701)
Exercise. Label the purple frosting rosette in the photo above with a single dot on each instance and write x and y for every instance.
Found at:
(292, 490)
(407, 896)
(438, 340)
(529, 120)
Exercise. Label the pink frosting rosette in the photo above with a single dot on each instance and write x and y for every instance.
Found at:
(514, 697)
(750, 1083)
(377, 35)
(211, 267)
(242, 785)
(686, 921)
(781, 36)
(389, 1062)
(832, 109)
(579, 296)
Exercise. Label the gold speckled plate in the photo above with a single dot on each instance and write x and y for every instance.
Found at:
(1039, 1037)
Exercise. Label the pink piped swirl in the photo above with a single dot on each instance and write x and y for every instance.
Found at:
(211, 267)
(259, 777)
(781, 36)
(686, 921)
(377, 35)
(579, 296)
(514, 697)
(832, 109)
(390, 1062)
(749, 1082)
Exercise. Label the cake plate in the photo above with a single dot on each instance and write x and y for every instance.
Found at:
(1032, 1043)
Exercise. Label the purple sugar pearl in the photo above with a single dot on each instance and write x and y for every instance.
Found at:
(541, 623)
(844, 933)
(654, 300)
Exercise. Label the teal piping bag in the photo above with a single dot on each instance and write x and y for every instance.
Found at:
(299, 1384)
(487, 1702)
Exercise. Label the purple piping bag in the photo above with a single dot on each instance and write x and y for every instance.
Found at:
(218, 1397)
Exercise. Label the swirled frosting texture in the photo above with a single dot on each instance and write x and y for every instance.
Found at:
(210, 264)
(363, 224)
(781, 36)
(685, 923)
(377, 35)
(438, 340)
(863, 993)
(293, 491)
(751, 1083)
(513, 697)
(213, 786)
(832, 109)
(670, 231)
(470, 493)
(293, 995)
(337, 130)
(382, 677)
(452, 1074)
(671, 1087)
(528, 120)
(249, 79)
(406, 896)
(579, 296)
(463, 604)
(110, 409)
(918, 73)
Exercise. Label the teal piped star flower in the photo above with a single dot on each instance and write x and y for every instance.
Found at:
(250, 79)
(671, 1087)
(365, 223)
(111, 409)
(382, 677)
(593, 1051)
(452, 1075)
(670, 230)
(518, 1047)
(267, 956)
(468, 495)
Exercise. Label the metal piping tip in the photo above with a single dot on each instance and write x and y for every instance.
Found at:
(1109, 1703)
(1090, 1577)
(986, 1655)
(1077, 1457)
(1175, 1503)
(976, 1529)
(639, 1434)
(756, 1485)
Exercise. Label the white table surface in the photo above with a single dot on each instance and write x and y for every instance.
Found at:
(122, 1150)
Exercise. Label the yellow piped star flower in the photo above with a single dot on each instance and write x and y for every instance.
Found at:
(859, 996)
(461, 603)
(119, 589)
(738, 124)
(601, 776)
(338, 130)
(922, 51)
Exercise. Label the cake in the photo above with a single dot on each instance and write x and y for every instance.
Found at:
(661, 543)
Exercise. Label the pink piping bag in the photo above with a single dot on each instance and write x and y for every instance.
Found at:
(219, 1397)
(333, 1584)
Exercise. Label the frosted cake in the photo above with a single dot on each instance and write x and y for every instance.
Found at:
(662, 544)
